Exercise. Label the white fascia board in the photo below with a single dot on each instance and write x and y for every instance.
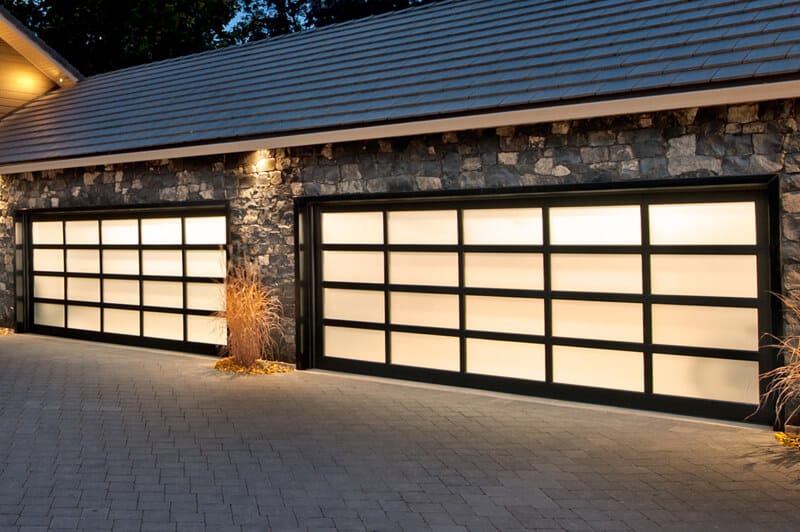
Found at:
(622, 106)
(36, 55)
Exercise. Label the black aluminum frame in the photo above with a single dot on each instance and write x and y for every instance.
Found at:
(761, 189)
(183, 210)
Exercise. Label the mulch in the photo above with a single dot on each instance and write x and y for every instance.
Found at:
(261, 367)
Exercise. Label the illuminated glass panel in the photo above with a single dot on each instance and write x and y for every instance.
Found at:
(596, 273)
(720, 327)
(426, 351)
(48, 260)
(162, 262)
(503, 226)
(84, 318)
(522, 271)
(423, 268)
(81, 289)
(703, 223)
(161, 231)
(120, 232)
(121, 321)
(83, 261)
(48, 287)
(603, 368)
(121, 261)
(82, 232)
(600, 320)
(505, 314)
(206, 230)
(205, 263)
(47, 233)
(704, 275)
(429, 310)
(423, 227)
(706, 378)
(354, 305)
(206, 330)
(506, 359)
(352, 266)
(163, 325)
(597, 225)
(48, 314)
(355, 344)
(162, 294)
(352, 228)
(205, 296)
(121, 292)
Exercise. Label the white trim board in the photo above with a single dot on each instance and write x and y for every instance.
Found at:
(622, 106)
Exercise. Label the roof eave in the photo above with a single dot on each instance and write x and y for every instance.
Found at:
(33, 49)
(551, 113)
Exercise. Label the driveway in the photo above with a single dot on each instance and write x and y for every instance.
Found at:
(101, 437)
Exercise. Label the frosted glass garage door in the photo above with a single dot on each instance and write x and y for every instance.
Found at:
(155, 277)
(662, 297)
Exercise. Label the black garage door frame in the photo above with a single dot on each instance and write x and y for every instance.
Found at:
(25, 298)
(762, 189)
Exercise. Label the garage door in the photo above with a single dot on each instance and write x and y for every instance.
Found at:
(656, 300)
(148, 276)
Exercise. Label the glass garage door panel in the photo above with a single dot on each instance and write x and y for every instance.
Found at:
(149, 277)
(637, 296)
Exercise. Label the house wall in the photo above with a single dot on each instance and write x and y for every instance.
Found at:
(742, 140)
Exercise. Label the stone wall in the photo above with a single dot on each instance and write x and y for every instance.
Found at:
(741, 140)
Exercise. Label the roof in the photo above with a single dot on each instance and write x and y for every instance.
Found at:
(394, 73)
(36, 51)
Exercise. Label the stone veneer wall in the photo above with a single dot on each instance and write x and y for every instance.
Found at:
(739, 140)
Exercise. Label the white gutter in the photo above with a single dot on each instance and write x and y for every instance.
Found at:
(645, 104)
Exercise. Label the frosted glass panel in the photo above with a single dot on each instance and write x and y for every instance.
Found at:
(47, 233)
(161, 231)
(602, 368)
(706, 378)
(428, 310)
(423, 268)
(354, 305)
(596, 273)
(352, 266)
(80, 289)
(162, 294)
(48, 260)
(423, 227)
(48, 314)
(355, 344)
(352, 228)
(206, 230)
(704, 275)
(48, 287)
(505, 314)
(83, 232)
(121, 292)
(162, 262)
(503, 226)
(121, 261)
(703, 223)
(615, 224)
(120, 231)
(121, 321)
(83, 261)
(722, 327)
(206, 263)
(18, 233)
(599, 320)
(163, 325)
(426, 351)
(506, 359)
(85, 318)
(207, 330)
(205, 296)
(522, 271)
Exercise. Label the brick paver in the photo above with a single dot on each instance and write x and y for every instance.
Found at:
(99, 437)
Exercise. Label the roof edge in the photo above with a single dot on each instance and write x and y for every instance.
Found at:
(35, 50)
(554, 113)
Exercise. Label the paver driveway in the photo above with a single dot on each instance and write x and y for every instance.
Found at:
(101, 437)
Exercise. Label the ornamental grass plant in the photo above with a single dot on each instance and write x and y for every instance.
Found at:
(253, 312)
(783, 382)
